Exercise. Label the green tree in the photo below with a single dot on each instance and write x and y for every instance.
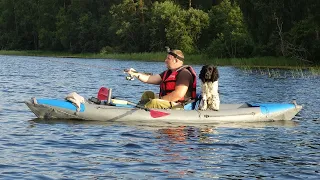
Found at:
(18, 19)
(283, 27)
(172, 26)
(63, 26)
(128, 24)
(227, 32)
(8, 29)
(78, 26)
(196, 21)
(46, 24)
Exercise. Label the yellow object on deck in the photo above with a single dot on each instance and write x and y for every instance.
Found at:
(119, 101)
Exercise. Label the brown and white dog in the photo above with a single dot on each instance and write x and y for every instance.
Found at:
(209, 76)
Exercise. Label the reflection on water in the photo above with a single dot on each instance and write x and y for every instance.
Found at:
(163, 125)
(68, 149)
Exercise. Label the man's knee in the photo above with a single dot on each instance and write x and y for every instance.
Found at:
(148, 95)
(153, 103)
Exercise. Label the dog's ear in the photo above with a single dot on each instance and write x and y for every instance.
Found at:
(215, 74)
(202, 73)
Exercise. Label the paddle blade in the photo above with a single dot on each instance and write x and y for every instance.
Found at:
(153, 113)
(157, 114)
(103, 93)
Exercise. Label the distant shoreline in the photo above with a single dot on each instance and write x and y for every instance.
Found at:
(194, 59)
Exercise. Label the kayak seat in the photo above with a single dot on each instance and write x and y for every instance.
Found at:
(193, 105)
(94, 100)
(246, 105)
(104, 94)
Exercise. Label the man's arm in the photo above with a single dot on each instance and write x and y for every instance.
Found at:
(146, 78)
(179, 92)
(150, 79)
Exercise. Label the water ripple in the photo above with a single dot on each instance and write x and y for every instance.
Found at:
(67, 149)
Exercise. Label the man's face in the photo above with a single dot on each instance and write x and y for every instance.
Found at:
(170, 61)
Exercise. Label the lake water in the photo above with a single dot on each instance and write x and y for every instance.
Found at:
(46, 149)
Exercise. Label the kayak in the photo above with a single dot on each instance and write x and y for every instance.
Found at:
(124, 111)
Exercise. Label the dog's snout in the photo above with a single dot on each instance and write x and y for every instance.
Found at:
(208, 75)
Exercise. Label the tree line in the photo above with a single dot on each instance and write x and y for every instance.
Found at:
(218, 28)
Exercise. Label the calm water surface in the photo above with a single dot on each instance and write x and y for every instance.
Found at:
(43, 149)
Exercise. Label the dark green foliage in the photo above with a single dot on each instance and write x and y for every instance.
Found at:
(219, 28)
(175, 27)
(227, 36)
(284, 27)
(128, 26)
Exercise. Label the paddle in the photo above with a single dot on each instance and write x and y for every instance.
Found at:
(153, 113)
(104, 93)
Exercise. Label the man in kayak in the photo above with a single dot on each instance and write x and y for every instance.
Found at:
(177, 83)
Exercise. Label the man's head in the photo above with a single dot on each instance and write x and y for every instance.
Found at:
(174, 59)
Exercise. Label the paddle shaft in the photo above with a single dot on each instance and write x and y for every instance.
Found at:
(137, 105)
(153, 113)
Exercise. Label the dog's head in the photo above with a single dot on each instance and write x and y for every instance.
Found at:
(209, 73)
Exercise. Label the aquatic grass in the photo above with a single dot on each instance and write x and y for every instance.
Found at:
(198, 59)
(291, 72)
(158, 56)
(275, 62)
(273, 67)
(37, 53)
(315, 70)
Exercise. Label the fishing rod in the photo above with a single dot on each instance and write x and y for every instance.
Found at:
(87, 65)
(129, 77)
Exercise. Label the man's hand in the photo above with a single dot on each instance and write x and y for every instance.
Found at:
(131, 72)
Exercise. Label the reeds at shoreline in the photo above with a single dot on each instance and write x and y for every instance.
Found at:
(292, 72)
(192, 59)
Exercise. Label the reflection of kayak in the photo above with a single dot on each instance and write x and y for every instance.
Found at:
(154, 125)
(62, 109)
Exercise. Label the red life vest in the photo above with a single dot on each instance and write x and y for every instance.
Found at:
(168, 83)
